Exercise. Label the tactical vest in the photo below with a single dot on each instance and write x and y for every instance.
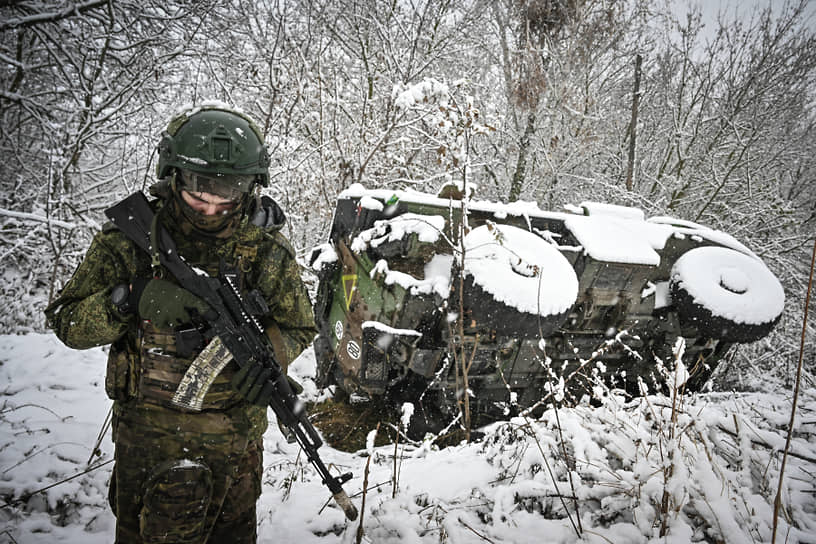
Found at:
(161, 370)
(152, 370)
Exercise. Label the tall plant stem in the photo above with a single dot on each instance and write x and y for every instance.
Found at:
(778, 499)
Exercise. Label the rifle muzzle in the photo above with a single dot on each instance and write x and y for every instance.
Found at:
(344, 502)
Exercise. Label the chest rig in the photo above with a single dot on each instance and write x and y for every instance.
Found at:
(163, 360)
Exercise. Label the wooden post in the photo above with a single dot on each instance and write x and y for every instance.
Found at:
(633, 124)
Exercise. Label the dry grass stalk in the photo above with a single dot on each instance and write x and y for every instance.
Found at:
(778, 499)
(360, 530)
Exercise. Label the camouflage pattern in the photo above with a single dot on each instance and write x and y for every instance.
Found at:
(147, 438)
(144, 370)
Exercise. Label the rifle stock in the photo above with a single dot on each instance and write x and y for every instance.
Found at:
(234, 329)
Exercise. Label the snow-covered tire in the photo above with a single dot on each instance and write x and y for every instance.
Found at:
(726, 294)
(516, 283)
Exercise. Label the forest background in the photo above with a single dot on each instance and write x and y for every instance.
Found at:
(528, 99)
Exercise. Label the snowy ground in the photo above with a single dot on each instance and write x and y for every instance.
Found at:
(709, 474)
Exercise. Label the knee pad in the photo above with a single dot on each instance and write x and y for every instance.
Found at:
(175, 502)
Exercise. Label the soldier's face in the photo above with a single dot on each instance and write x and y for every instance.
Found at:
(208, 203)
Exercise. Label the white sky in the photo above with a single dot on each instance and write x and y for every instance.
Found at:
(744, 8)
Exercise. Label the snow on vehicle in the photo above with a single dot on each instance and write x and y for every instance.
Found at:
(598, 292)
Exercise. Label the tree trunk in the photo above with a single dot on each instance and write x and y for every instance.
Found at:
(521, 164)
(633, 124)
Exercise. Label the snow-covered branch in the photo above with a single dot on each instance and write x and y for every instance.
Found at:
(69, 10)
(37, 218)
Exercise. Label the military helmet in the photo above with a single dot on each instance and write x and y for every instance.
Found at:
(217, 142)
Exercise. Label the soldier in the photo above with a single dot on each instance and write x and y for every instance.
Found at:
(181, 476)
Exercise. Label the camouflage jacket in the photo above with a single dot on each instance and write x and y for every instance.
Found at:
(143, 368)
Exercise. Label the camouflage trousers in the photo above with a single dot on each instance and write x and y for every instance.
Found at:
(184, 478)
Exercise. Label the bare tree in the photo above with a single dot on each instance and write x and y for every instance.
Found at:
(78, 84)
(727, 125)
(724, 129)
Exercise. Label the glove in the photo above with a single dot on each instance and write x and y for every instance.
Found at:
(165, 304)
(253, 384)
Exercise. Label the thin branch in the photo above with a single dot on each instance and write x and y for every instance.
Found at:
(50, 17)
(778, 499)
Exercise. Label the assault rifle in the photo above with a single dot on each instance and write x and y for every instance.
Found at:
(235, 331)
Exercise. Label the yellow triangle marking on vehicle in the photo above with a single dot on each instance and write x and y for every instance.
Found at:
(349, 286)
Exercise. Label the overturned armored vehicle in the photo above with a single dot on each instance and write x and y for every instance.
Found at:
(525, 299)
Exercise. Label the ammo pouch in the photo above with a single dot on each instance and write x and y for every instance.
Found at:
(161, 369)
(120, 379)
(174, 508)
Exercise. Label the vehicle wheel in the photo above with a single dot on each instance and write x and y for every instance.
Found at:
(516, 282)
(726, 294)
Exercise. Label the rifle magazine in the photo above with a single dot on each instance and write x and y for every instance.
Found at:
(200, 376)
